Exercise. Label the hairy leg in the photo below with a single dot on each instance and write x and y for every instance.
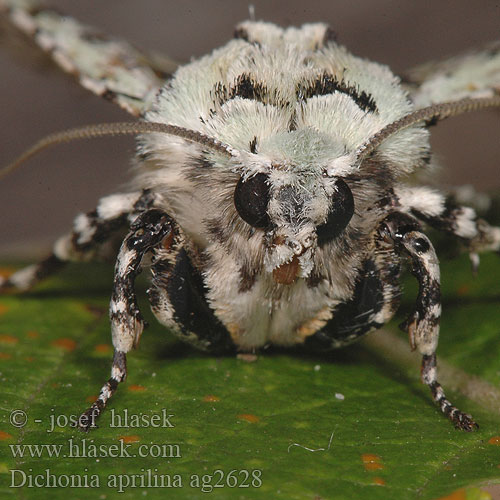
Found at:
(423, 324)
(150, 229)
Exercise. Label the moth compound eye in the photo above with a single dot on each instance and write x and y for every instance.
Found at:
(251, 198)
(341, 212)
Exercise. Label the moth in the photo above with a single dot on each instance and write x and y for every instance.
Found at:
(270, 197)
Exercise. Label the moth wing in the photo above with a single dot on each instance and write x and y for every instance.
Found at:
(472, 74)
(107, 66)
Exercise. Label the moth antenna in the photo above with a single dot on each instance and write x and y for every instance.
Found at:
(113, 129)
(436, 112)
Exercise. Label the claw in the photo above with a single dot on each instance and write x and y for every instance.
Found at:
(464, 422)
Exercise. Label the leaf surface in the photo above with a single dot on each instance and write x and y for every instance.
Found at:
(353, 423)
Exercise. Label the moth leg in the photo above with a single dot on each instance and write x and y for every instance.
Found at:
(146, 232)
(90, 233)
(423, 324)
(444, 214)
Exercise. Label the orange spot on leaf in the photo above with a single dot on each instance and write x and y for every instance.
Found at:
(64, 343)
(371, 461)
(248, 417)
(3, 309)
(210, 398)
(32, 334)
(373, 466)
(5, 435)
(456, 495)
(136, 388)
(103, 348)
(463, 290)
(91, 399)
(129, 439)
(379, 481)
(29, 359)
(494, 440)
(4, 355)
(8, 339)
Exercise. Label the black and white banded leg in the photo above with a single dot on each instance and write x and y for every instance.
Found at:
(423, 324)
(148, 231)
(90, 232)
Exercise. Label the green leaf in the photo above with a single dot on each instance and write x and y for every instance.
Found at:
(354, 423)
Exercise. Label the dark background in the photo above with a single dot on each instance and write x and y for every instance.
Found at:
(39, 201)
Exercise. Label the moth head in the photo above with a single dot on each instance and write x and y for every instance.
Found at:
(297, 213)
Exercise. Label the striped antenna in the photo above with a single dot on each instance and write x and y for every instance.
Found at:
(436, 112)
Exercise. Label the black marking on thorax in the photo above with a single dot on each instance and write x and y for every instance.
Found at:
(247, 87)
(326, 84)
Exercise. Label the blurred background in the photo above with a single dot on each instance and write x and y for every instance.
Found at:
(39, 201)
